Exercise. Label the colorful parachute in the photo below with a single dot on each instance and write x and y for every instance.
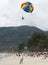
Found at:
(27, 7)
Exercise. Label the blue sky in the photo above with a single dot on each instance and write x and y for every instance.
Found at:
(11, 14)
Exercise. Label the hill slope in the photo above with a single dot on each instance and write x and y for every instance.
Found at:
(16, 35)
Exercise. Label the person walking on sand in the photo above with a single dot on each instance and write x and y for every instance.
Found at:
(21, 58)
(45, 53)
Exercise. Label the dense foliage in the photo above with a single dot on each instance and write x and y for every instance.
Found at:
(38, 42)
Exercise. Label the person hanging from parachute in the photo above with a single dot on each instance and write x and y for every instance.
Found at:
(22, 18)
(27, 7)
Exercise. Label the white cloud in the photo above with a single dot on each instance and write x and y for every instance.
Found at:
(3, 3)
(11, 13)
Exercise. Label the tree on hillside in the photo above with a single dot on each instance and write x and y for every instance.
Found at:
(38, 42)
(21, 47)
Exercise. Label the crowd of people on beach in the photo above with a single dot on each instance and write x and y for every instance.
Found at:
(21, 55)
(32, 54)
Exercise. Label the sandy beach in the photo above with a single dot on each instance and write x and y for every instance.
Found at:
(14, 60)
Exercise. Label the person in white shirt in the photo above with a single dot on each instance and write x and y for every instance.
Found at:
(21, 58)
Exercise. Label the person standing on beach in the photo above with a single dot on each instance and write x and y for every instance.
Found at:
(45, 53)
(21, 58)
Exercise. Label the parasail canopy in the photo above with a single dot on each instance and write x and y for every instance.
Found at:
(27, 7)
